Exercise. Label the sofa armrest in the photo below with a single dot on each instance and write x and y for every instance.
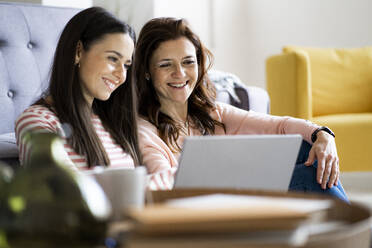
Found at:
(288, 83)
(8, 146)
(9, 149)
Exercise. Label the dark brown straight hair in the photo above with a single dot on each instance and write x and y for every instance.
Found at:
(201, 101)
(118, 114)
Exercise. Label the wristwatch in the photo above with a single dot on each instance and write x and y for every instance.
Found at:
(323, 128)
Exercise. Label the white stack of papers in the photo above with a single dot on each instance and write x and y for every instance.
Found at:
(214, 201)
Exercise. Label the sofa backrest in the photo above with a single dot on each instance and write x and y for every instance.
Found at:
(341, 79)
(28, 38)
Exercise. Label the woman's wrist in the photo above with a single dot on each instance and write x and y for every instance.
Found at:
(323, 131)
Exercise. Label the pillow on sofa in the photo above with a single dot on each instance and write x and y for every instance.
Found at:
(8, 146)
(229, 89)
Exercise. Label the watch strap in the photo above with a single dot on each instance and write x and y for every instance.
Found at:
(323, 128)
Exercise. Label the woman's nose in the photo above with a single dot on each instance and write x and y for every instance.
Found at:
(179, 71)
(120, 73)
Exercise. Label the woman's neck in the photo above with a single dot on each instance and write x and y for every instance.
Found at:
(178, 112)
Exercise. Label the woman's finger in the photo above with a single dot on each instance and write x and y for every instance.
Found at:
(321, 167)
(327, 170)
(334, 172)
(310, 160)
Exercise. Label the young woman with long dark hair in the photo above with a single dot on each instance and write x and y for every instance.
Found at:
(91, 92)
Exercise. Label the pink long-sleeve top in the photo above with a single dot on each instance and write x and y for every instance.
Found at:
(39, 118)
(158, 157)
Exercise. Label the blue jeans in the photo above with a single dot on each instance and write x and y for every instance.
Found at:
(304, 177)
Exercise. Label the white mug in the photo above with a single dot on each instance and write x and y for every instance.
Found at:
(125, 188)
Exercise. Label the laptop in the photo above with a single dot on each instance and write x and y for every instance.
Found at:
(263, 162)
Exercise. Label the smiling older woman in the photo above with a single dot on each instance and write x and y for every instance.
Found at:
(176, 99)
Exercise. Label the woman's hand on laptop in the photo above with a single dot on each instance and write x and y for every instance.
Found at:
(324, 150)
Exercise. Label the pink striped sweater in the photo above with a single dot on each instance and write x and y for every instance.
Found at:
(40, 118)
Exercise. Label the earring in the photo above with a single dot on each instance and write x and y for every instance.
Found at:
(77, 64)
(147, 76)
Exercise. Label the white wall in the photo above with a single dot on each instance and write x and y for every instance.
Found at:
(69, 3)
(22, 1)
(138, 12)
(246, 32)
(197, 12)
(58, 3)
(243, 33)
(134, 12)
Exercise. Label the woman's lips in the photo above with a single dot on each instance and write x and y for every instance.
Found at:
(111, 85)
(178, 85)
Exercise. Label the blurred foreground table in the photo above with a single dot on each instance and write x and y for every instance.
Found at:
(343, 225)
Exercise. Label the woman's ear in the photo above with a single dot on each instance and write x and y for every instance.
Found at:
(79, 51)
(147, 76)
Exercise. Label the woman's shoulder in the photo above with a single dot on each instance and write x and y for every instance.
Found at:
(37, 114)
(147, 130)
(225, 108)
(220, 106)
(220, 109)
(144, 124)
(38, 109)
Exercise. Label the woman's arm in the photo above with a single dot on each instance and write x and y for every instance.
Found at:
(238, 121)
(37, 119)
(161, 180)
(159, 160)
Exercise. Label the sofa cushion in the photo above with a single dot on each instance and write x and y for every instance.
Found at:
(353, 139)
(341, 79)
(8, 146)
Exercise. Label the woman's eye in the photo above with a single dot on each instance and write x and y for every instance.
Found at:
(164, 65)
(113, 59)
(189, 62)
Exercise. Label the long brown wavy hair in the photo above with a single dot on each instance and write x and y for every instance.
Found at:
(118, 114)
(201, 101)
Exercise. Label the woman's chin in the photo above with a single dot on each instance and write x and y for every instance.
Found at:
(104, 98)
(181, 99)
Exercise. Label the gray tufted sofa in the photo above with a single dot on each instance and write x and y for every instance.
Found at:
(28, 37)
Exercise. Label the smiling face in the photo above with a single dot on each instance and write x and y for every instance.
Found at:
(103, 67)
(174, 71)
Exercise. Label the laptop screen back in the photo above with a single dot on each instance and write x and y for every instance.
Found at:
(264, 162)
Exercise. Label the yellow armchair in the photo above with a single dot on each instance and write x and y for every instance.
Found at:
(331, 87)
